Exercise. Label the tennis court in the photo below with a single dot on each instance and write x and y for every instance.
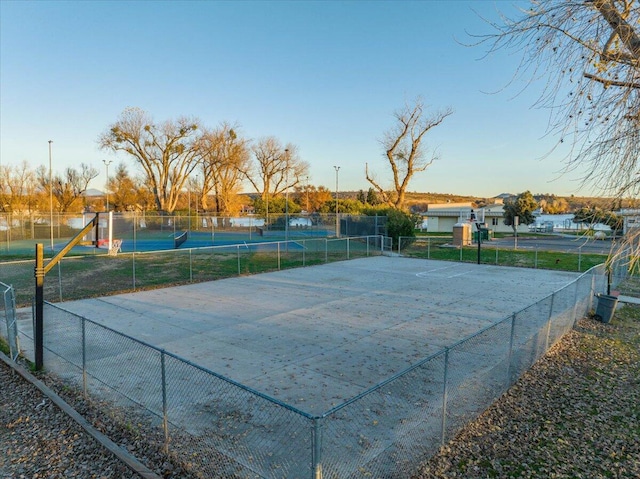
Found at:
(316, 337)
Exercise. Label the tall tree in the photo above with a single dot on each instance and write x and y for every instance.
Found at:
(225, 156)
(167, 152)
(590, 52)
(522, 207)
(275, 168)
(405, 151)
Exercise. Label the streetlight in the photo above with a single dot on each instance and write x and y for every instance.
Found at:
(50, 198)
(337, 168)
(106, 185)
(286, 198)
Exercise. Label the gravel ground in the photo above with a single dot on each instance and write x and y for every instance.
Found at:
(38, 440)
(575, 414)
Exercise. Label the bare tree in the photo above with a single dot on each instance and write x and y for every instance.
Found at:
(590, 52)
(404, 150)
(275, 168)
(167, 152)
(225, 156)
(69, 187)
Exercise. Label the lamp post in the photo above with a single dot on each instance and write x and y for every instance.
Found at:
(50, 198)
(197, 226)
(286, 198)
(337, 168)
(189, 207)
(106, 185)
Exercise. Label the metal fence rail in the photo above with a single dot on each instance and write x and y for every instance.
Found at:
(222, 428)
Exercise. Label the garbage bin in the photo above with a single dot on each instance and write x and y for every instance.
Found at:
(606, 306)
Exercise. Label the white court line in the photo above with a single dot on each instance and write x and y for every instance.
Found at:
(423, 274)
(461, 274)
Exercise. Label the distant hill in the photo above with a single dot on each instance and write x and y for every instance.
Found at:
(418, 202)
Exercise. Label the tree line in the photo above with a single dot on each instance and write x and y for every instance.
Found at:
(215, 164)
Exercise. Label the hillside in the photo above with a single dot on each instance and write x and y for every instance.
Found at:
(567, 204)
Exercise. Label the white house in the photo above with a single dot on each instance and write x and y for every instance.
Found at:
(442, 216)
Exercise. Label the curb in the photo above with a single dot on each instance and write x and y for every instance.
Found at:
(131, 461)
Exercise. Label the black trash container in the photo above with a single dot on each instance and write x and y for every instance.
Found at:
(606, 307)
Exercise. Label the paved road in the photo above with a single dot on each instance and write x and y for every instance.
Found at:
(556, 243)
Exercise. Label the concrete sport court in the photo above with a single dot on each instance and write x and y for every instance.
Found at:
(315, 337)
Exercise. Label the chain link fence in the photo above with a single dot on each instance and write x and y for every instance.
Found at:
(77, 277)
(218, 427)
(442, 248)
(19, 232)
(8, 311)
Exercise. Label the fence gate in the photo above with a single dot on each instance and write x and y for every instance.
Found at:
(387, 244)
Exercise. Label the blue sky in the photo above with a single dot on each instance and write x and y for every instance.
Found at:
(326, 76)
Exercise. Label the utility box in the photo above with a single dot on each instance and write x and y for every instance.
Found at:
(462, 234)
(485, 234)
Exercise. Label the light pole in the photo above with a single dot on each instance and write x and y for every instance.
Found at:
(50, 198)
(106, 185)
(197, 226)
(286, 198)
(337, 168)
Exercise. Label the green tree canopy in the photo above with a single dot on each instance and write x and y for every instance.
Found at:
(522, 207)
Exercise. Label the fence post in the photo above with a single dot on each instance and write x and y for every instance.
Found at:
(496, 255)
(133, 254)
(278, 249)
(428, 248)
(575, 303)
(84, 358)
(546, 345)
(190, 266)
(238, 254)
(368, 238)
(347, 247)
(326, 250)
(444, 395)
(579, 258)
(165, 420)
(536, 259)
(304, 247)
(399, 243)
(513, 327)
(316, 452)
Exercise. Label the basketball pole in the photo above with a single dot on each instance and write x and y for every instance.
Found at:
(40, 272)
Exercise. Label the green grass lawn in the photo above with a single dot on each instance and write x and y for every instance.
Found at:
(93, 275)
